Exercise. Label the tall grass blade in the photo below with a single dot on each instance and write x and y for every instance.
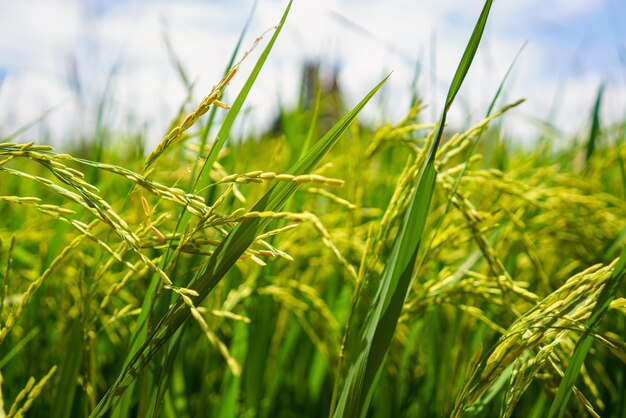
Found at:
(70, 369)
(223, 258)
(173, 56)
(594, 133)
(471, 151)
(17, 347)
(368, 347)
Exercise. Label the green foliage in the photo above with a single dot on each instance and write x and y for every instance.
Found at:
(472, 279)
(370, 339)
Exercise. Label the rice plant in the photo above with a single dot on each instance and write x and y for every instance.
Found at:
(393, 270)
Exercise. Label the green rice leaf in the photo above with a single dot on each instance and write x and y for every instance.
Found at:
(595, 124)
(367, 349)
(70, 371)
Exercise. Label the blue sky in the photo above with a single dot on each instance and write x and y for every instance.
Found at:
(46, 45)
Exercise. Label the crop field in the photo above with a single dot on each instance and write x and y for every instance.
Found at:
(325, 268)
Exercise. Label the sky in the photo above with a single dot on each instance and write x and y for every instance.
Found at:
(60, 58)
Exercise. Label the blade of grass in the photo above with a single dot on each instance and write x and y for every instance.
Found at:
(608, 293)
(622, 171)
(258, 307)
(481, 404)
(70, 371)
(18, 347)
(369, 346)
(487, 153)
(173, 56)
(231, 385)
(595, 124)
(310, 133)
(164, 378)
(223, 258)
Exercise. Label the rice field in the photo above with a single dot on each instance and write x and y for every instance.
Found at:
(341, 270)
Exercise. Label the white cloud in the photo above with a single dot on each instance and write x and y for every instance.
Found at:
(33, 32)
(553, 10)
(35, 42)
(22, 101)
